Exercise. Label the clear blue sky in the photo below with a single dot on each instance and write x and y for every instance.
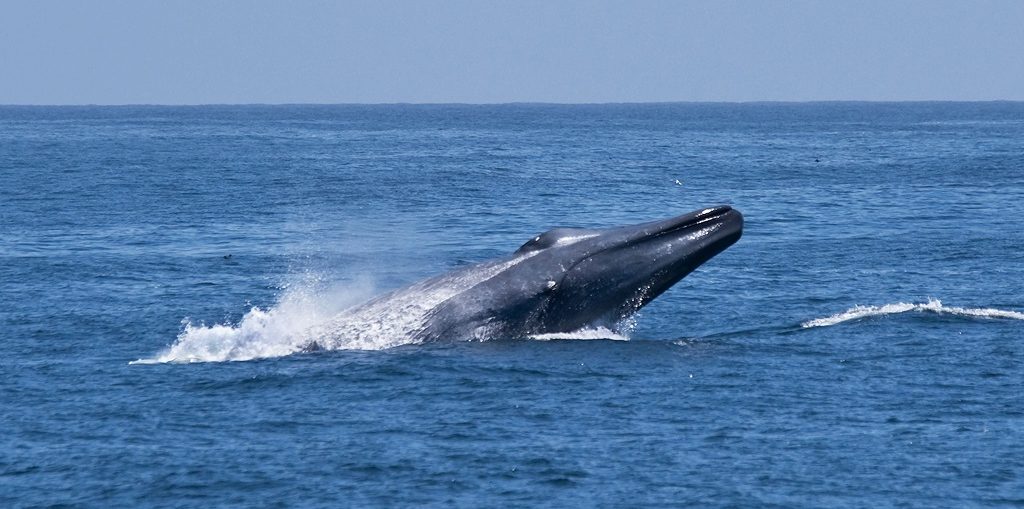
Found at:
(194, 52)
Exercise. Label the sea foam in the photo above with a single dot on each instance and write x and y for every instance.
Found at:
(584, 334)
(932, 306)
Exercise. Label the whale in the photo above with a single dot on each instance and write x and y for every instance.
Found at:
(561, 281)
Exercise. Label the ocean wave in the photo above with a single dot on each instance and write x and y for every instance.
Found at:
(932, 306)
(582, 334)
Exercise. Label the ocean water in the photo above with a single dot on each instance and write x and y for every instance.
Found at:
(862, 345)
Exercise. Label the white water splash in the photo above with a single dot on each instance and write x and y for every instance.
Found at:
(932, 306)
(306, 317)
(275, 332)
(584, 334)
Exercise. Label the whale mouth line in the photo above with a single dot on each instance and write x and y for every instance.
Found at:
(703, 218)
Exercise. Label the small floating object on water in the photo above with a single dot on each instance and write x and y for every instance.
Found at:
(678, 182)
(227, 257)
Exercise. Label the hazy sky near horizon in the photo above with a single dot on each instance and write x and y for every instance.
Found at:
(255, 51)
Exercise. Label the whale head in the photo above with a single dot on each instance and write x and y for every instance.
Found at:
(586, 276)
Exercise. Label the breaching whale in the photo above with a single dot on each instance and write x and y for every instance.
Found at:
(563, 280)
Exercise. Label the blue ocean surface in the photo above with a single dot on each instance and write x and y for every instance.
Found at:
(862, 345)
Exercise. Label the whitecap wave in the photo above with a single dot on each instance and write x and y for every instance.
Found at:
(585, 333)
(932, 306)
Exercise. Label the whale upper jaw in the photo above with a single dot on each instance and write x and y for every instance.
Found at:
(689, 220)
(694, 237)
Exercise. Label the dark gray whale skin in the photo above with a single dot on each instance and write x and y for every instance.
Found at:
(570, 278)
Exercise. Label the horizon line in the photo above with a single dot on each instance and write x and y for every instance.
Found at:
(507, 103)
